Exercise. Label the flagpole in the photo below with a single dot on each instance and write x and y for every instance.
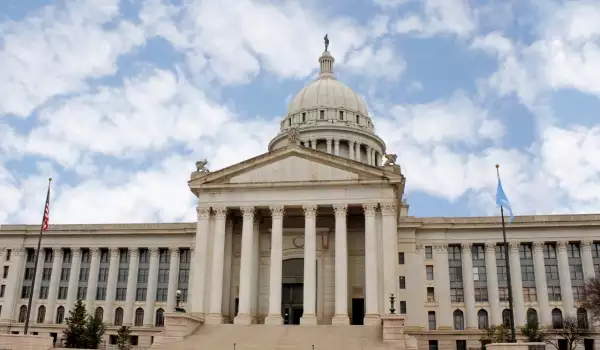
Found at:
(37, 258)
(508, 276)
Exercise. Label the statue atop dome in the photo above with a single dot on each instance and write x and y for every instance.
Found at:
(326, 38)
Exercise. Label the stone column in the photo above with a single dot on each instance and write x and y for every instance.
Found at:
(245, 296)
(469, 286)
(357, 152)
(336, 147)
(309, 315)
(255, 267)
(111, 285)
(313, 143)
(173, 279)
(228, 303)
(541, 285)
(132, 276)
(57, 255)
(351, 149)
(492, 283)
(587, 260)
(92, 279)
(329, 145)
(442, 285)
(341, 265)
(368, 160)
(151, 289)
(372, 296)
(390, 250)
(275, 277)
(199, 262)
(565, 278)
(517, 284)
(73, 278)
(13, 289)
(215, 315)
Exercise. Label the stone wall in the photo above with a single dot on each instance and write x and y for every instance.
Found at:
(25, 342)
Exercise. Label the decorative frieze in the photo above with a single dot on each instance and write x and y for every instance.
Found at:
(203, 212)
(388, 209)
(369, 209)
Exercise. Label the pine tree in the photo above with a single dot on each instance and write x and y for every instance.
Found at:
(94, 330)
(74, 334)
(124, 338)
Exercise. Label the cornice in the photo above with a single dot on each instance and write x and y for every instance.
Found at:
(103, 229)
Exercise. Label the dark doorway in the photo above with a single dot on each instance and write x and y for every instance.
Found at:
(563, 344)
(588, 344)
(292, 291)
(358, 311)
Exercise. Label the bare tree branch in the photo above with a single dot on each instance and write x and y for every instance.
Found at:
(572, 331)
(592, 297)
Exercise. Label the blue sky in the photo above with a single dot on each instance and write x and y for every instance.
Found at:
(116, 99)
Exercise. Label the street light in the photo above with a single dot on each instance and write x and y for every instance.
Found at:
(178, 300)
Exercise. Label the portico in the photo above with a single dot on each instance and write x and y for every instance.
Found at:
(368, 194)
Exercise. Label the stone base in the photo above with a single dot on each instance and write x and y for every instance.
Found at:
(244, 319)
(372, 320)
(274, 320)
(310, 320)
(513, 346)
(213, 319)
(340, 320)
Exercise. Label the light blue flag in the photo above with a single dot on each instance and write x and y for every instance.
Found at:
(502, 200)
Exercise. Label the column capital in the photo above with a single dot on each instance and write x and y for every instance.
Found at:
(441, 248)
(220, 212)
(203, 212)
(114, 251)
(134, 251)
(340, 210)
(369, 209)
(336, 141)
(351, 142)
(562, 245)
(490, 247)
(328, 140)
(174, 251)
(57, 251)
(247, 211)
(75, 251)
(388, 209)
(277, 211)
(310, 210)
(514, 246)
(466, 247)
(538, 246)
(587, 245)
(153, 251)
(95, 251)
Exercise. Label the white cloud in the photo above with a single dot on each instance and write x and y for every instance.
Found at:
(439, 17)
(54, 51)
(381, 62)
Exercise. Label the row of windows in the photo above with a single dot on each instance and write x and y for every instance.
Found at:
(99, 313)
(124, 256)
(341, 117)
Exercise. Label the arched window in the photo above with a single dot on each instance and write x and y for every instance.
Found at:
(139, 317)
(119, 317)
(582, 319)
(482, 319)
(160, 318)
(506, 318)
(459, 320)
(41, 314)
(557, 319)
(22, 313)
(532, 316)
(99, 314)
(60, 315)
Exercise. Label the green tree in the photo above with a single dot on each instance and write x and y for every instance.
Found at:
(533, 332)
(124, 338)
(94, 330)
(75, 333)
(496, 334)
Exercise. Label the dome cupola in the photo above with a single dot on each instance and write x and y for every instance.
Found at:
(330, 117)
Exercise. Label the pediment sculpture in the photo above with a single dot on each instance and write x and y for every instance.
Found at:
(201, 166)
(390, 159)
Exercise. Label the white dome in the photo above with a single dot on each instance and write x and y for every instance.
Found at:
(327, 93)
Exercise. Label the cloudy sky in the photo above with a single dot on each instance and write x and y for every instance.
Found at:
(116, 100)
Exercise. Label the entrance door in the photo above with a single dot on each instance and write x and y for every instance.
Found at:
(358, 311)
(291, 300)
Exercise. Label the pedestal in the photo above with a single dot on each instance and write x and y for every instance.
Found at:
(310, 320)
(274, 320)
(372, 320)
(245, 319)
(340, 320)
(213, 319)
(393, 332)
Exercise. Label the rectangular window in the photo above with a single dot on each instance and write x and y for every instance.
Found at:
(121, 294)
(433, 345)
(48, 257)
(2, 290)
(481, 295)
(529, 294)
(161, 294)
(29, 273)
(576, 272)
(84, 274)
(184, 275)
(322, 114)
(478, 252)
(578, 293)
(429, 272)
(143, 256)
(101, 293)
(65, 273)
(43, 292)
(184, 293)
(455, 273)
(163, 256)
(479, 273)
(140, 294)
(103, 274)
(503, 294)
(104, 256)
(457, 295)
(500, 253)
(549, 251)
(163, 275)
(67, 256)
(123, 274)
(551, 272)
(431, 320)
(430, 295)
(185, 256)
(554, 293)
(143, 276)
(85, 256)
(303, 117)
(46, 274)
(124, 257)
(401, 258)
(5, 272)
(62, 292)
(403, 307)
(402, 282)
(525, 251)
(527, 273)
(25, 291)
(428, 252)
(81, 293)
(8, 253)
(573, 250)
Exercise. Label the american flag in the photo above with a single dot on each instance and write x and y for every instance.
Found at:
(46, 221)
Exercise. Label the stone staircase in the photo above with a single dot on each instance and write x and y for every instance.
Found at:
(266, 337)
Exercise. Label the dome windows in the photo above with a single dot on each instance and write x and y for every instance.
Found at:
(304, 117)
(322, 114)
(341, 115)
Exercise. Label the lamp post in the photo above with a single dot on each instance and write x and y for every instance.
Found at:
(392, 308)
(177, 301)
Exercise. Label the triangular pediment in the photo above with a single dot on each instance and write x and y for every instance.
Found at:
(297, 165)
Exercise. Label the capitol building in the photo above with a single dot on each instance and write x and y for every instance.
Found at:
(315, 235)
